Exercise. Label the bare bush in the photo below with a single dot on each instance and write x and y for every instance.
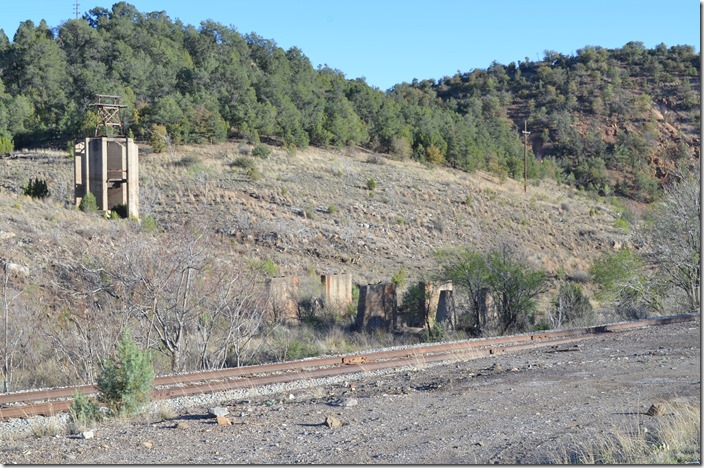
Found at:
(194, 308)
(88, 315)
(13, 333)
(571, 307)
(673, 236)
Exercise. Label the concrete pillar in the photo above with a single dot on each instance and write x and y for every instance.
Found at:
(283, 293)
(444, 312)
(132, 168)
(338, 289)
(432, 298)
(377, 307)
(80, 171)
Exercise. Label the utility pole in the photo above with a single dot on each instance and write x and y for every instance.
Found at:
(76, 9)
(525, 156)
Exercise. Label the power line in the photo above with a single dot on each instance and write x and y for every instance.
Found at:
(525, 156)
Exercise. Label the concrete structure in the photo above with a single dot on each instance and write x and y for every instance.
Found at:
(432, 298)
(108, 168)
(283, 294)
(446, 308)
(377, 307)
(338, 289)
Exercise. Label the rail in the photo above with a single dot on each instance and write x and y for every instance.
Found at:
(53, 401)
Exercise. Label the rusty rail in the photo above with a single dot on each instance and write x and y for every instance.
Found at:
(53, 401)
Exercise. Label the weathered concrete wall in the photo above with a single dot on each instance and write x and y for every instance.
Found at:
(338, 289)
(97, 171)
(283, 293)
(377, 307)
(108, 168)
(116, 165)
(487, 310)
(132, 167)
(445, 306)
(80, 167)
(432, 297)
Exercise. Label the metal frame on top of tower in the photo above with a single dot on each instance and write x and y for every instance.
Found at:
(108, 114)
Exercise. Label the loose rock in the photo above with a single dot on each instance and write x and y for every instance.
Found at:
(347, 402)
(223, 421)
(332, 422)
(656, 409)
(218, 411)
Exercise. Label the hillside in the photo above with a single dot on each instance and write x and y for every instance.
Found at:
(192, 290)
(313, 210)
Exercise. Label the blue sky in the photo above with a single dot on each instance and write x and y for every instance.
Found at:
(392, 41)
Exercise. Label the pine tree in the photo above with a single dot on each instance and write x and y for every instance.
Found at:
(126, 380)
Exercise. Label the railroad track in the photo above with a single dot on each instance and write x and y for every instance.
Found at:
(53, 401)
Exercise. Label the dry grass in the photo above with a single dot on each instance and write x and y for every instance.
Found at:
(675, 439)
(367, 227)
(163, 410)
(47, 427)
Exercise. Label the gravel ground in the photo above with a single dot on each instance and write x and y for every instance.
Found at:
(515, 408)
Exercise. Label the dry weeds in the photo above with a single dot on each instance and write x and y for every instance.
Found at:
(675, 439)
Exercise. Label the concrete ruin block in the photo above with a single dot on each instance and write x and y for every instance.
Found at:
(283, 293)
(338, 289)
(486, 303)
(432, 298)
(445, 305)
(108, 168)
(376, 307)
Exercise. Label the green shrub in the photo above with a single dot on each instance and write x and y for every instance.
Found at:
(332, 209)
(371, 184)
(158, 139)
(611, 270)
(244, 162)
(433, 155)
(120, 211)
(126, 380)
(6, 144)
(413, 306)
(88, 203)
(541, 326)
(267, 267)
(399, 278)
(436, 333)
(254, 174)
(622, 225)
(261, 151)
(84, 411)
(351, 311)
(299, 350)
(149, 223)
(309, 212)
(37, 188)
